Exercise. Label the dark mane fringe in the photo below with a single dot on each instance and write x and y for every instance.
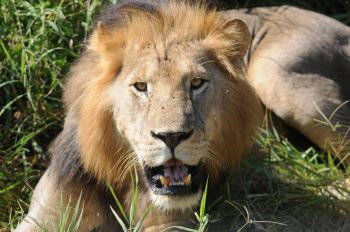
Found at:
(113, 15)
(65, 155)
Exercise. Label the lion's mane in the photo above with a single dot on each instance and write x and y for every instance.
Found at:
(90, 133)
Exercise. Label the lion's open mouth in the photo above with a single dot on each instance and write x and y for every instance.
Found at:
(173, 178)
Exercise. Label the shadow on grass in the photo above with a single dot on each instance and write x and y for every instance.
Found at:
(258, 198)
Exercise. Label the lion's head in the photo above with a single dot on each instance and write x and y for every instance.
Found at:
(161, 86)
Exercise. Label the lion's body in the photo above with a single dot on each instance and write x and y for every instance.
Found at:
(298, 60)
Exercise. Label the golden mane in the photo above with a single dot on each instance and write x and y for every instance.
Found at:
(138, 25)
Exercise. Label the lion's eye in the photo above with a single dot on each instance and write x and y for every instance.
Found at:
(196, 83)
(140, 86)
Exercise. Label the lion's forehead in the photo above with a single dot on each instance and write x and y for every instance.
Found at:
(175, 62)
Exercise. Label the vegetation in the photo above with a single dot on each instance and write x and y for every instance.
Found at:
(129, 224)
(38, 42)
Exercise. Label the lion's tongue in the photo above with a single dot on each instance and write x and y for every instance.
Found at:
(176, 173)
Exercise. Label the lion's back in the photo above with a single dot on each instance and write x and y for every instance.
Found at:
(299, 64)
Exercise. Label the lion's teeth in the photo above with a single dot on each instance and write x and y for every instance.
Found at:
(165, 180)
(176, 183)
(187, 179)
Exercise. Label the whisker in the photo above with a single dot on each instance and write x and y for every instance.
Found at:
(126, 158)
(122, 158)
(208, 61)
(213, 156)
(121, 175)
(201, 58)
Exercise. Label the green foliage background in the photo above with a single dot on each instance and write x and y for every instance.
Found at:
(38, 42)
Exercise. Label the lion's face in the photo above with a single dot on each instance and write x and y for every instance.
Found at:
(171, 107)
(163, 104)
(167, 106)
(168, 96)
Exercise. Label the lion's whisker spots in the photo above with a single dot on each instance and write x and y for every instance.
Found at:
(197, 147)
(146, 145)
(146, 162)
(148, 148)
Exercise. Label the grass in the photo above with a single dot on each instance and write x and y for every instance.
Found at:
(202, 217)
(129, 224)
(303, 189)
(39, 40)
(69, 220)
(284, 189)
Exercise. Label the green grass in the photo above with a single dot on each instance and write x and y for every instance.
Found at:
(69, 220)
(129, 224)
(281, 188)
(38, 42)
(202, 217)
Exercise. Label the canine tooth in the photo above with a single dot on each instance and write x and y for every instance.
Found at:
(165, 180)
(187, 179)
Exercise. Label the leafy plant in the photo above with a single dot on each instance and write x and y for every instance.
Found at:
(38, 42)
(70, 218)
(128, 224)
(202, 217)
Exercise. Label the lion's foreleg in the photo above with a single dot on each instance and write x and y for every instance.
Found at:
(43, 208)
(50, 201)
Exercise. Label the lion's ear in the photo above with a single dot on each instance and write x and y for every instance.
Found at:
(107, 42)
(229, 43)
(238, 32)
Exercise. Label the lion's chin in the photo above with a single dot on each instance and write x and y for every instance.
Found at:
(176, 203)
(174, 178)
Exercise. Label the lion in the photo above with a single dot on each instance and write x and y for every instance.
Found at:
(177, 91)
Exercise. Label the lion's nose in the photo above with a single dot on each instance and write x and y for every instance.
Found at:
(172, 139)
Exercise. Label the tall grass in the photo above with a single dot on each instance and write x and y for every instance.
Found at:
(129, 224)
(283, 188)
(202, 216)
(38, 42)
(70, 217)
